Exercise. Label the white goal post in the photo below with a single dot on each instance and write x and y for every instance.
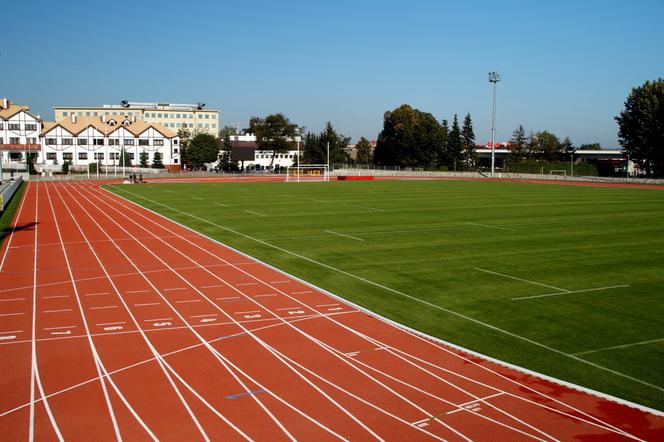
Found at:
(307, 173)
(558, 172)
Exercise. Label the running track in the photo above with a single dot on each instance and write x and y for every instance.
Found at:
(116, 323)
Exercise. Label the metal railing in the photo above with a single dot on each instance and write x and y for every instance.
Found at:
(7, 193)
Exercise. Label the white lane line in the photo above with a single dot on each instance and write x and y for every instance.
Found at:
(617, 347)
(302, 292)
(489, 225)
(187, 300)
(55, 297)
(12, 331)
(60, 328)
(228, 297)
(147, 303)
(111, 323)
(96, 294)
(327, 305)
(242, 284)
(255, 213)
(252, 311)
(157, 319)
(104, 307)
(13, 299)
(571, 292)
(205, 316)
(343, 235)
(289, 308)
(475, 402)
(57, 311)
(211, 286)
(283, 281)
(175, 289)
(522, 280)
(265, 296)
(136, 291)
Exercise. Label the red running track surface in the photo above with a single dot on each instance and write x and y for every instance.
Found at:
(118, 323)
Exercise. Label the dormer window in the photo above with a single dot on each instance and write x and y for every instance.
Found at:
(112, 122)
(126, 122)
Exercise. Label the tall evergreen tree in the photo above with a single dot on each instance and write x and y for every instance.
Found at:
(315, 148)
(143, 162)
(455, 144)
(157, 161)
(445, 139)
(363, 151)
(468, 140)
(518, 147)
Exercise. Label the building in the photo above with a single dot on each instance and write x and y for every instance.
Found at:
(101, 139)
(247, 155)
(19, 134)
(193, 117)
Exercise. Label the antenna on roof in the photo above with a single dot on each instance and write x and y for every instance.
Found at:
(200, 106)
(124, 103)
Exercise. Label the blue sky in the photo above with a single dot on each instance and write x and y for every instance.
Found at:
(567, 66)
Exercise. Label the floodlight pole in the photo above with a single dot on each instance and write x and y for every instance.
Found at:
(328, 157)
(494, 77)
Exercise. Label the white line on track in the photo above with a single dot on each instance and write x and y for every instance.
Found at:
(302, 292)
(327, 305)
(174, 289)
(13, 299)
(521, 279)
(55, 297)
(157, 319)
(288, 308)
(205, 316)
(136, 291)
(64, 327)
(618, 347)
(344, 235)
(187, 300)
(243, 313)
(569, 292)
(96, 294)
(103, 307)
(146, 303)
(265, 296)
(243, 284)
(111, 323)
(211, 286)
(283, 281)
(57, 311)
(228, 297)
(12, 331)
(476, 401)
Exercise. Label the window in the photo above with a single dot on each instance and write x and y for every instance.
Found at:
(159, 115)
(128, 142)
(99, 156)
(176, 142)
(31, 140)
(51, 141)
(175, 160)
(175, 150)
(158, 142)
(177, 115)
(143, 142)
(82, 141)
(131, 156)
(50, 155)
(207, 125)
(82, 155)
(95, 114)
(214, 125)
(67, 156)
(67, 141)
(87, 114)
(64, 114)
(200, 125)
(2, 140)
(191, 116)
(14, 126)
(2, 126)
(191, 125)
(113, 142)
(98, 141)
(114, 155)
(30, 126)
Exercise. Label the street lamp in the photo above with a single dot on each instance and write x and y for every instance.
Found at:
(494, 77)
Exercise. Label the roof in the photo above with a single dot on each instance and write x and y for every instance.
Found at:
(12, 109)
(136, 127)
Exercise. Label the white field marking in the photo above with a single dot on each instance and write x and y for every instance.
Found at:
(449, 311)
(489, 225)
(571, 292)
(187, 301)
(288, 308)
(152, 359)
(477, 401)
(265, 296)
(222, 359)
(282, 357)
(326, 305)
(104, 307)
(157, 319)
(211, 286)
(659, 251)
(11, 235)
(96, 294)
(154, 353)
(12, 331)
(60, 328)
(95, 356)
(220, 205)
(302, 292)
(617, 347)
(57, 311)
(255, 213)
(229, 297)
(13, 299)
(147, 303)
(7, 338)
(68, 332)
(520, 279)
(242, 284)
(56, 296)
(343, 235)
(111, 323)
(113, 328)
(196, 198)
(252, 311)
(370, 208)
(205, 316)
(175, 289)
(208, 319)
(12, 314)
(320, 201)
(283, 281)
(35, 377)
(136, 291)
(334, 309)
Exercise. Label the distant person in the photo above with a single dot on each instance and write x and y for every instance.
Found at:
(140, 178)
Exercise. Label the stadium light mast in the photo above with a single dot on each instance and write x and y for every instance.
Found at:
(494, 77)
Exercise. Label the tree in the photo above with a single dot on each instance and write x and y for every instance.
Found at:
(593, 146)
(65, 167)
(226, 131)
(185, 139)
(518, 147)
(143, 159)
(468, 141)
(641, 127)
(410, 138)
(546, 146)
(363, 154)
(203, 148)
(567, 146)
(454, 144)
(125, 158)
(275, 133)
(315, 147)
(156, 161)
(441, 154)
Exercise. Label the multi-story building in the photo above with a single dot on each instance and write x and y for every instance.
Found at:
(101, 139)
(193, 117)
(246, 153)
(19, 133)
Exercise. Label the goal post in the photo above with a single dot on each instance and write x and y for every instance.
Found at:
(307, 173)
(558, 172)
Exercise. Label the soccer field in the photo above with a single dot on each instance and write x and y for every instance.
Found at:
(564, 280)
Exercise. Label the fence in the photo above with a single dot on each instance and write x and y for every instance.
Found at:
(8, 192)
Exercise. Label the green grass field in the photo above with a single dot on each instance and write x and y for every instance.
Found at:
(7, 216)
(450, 258)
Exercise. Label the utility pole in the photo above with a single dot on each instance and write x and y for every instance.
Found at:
(494, 77)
